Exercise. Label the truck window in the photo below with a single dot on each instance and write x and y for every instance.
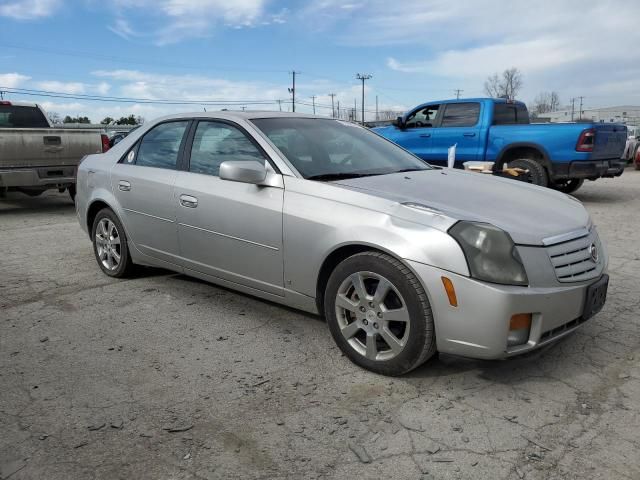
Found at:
(509, 114)
(16, 116)
(423, 117)
(461, 115)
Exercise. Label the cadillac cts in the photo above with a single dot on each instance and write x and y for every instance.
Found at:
(402, 258)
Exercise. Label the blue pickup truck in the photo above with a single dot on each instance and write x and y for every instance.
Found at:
(557, 155)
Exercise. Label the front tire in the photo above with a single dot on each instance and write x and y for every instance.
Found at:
(537, 173)
(379, 315)
(568, 186)
(110, 245)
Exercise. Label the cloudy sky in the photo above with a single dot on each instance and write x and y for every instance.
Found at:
(243, 50)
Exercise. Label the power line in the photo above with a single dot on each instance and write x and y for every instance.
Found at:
(363, 77)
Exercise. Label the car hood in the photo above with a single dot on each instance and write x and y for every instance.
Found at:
(527, 212)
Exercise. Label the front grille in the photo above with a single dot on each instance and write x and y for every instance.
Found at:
(573, 260)
(562, 328)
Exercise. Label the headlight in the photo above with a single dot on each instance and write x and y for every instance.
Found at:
(490, 252)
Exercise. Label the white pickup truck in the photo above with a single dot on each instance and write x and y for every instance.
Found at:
(36, 156)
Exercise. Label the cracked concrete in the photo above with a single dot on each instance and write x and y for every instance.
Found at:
(258, 391)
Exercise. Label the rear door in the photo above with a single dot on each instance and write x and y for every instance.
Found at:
(459, 126)
(143, 184)
(226, 229)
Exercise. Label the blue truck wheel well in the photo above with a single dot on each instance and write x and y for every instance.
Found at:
(524, 150)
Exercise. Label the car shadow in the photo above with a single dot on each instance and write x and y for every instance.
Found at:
(48, 202)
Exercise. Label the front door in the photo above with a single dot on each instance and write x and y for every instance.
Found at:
(143, 183)
(226, 229)
(416, 136)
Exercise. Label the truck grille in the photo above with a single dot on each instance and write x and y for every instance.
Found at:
(574, 260)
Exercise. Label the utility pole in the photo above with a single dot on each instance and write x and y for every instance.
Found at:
(573, 107)
(363, 77)
(1, 95)
(376, 108)
(355, 110)
(458, 92)
(580, 113)
(279, 104)
(338, 108)
(292, 90)
(333, 110)
(313, 100)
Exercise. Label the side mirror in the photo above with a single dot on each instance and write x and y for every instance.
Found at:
(399, 123)
(243, 172)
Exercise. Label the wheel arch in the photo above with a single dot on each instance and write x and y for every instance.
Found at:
(524, 150)
(342, 252)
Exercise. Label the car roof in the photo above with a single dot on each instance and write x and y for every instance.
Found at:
(240, 115)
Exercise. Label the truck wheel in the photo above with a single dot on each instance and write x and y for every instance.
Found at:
(568, 186)
(537, 173)
(379, 315)
(110, 245)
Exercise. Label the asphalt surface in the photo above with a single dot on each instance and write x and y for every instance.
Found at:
(165, 377)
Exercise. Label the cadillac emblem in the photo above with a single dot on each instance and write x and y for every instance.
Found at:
(593, 251)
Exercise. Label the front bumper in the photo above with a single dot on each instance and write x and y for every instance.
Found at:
(591, 169)
(478, 327)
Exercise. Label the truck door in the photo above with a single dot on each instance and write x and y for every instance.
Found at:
(460, 126)
(416, 136)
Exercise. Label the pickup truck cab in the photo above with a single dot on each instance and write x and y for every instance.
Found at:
(36, 156)
(558, 155)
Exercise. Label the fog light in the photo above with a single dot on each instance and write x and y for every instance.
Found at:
(519, 329)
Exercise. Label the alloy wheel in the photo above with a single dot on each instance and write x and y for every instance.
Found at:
(372, 316)
(108, 245)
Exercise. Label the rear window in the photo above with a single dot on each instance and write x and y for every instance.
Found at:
(510, 113)
(461, 115)
(14, 116)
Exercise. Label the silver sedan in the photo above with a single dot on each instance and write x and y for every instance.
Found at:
(403, 259)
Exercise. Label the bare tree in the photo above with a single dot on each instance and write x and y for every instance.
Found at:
(546, 102)
(492, 86)
(507, 85)
(54, 118)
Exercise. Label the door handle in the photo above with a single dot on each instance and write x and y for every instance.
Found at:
(469, 134)
(124, 185)
(188, 201)
(425, 135)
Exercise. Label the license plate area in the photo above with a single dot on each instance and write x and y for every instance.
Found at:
(596, 297)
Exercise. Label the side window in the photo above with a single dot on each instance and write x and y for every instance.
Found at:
(510, 114)
(216, 142)
(424, 117)
(461, 115)
(160, 146)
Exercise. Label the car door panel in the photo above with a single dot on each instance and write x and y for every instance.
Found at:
(233, 230)
(460, 127)
(143, 182)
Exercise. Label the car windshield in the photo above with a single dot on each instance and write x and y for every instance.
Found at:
(331, 149)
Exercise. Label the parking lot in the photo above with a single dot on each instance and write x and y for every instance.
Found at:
(163, 376)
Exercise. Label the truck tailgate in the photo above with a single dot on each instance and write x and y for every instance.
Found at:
(610, 141)
(44, 147)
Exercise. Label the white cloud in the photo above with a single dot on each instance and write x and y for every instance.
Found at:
(62, 87)
(571, 45)
(176, 20)
(12, 80)
(28, 9)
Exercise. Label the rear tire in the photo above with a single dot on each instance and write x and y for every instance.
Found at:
(390, 331)
(568, 186)
(537, 173)
(110, 245)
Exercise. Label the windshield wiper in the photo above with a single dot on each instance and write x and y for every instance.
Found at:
(411, 170)
(339, 176)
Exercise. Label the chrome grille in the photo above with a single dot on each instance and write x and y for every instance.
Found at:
(573, 261)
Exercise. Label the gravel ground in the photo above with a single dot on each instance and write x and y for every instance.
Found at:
(166, 377)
